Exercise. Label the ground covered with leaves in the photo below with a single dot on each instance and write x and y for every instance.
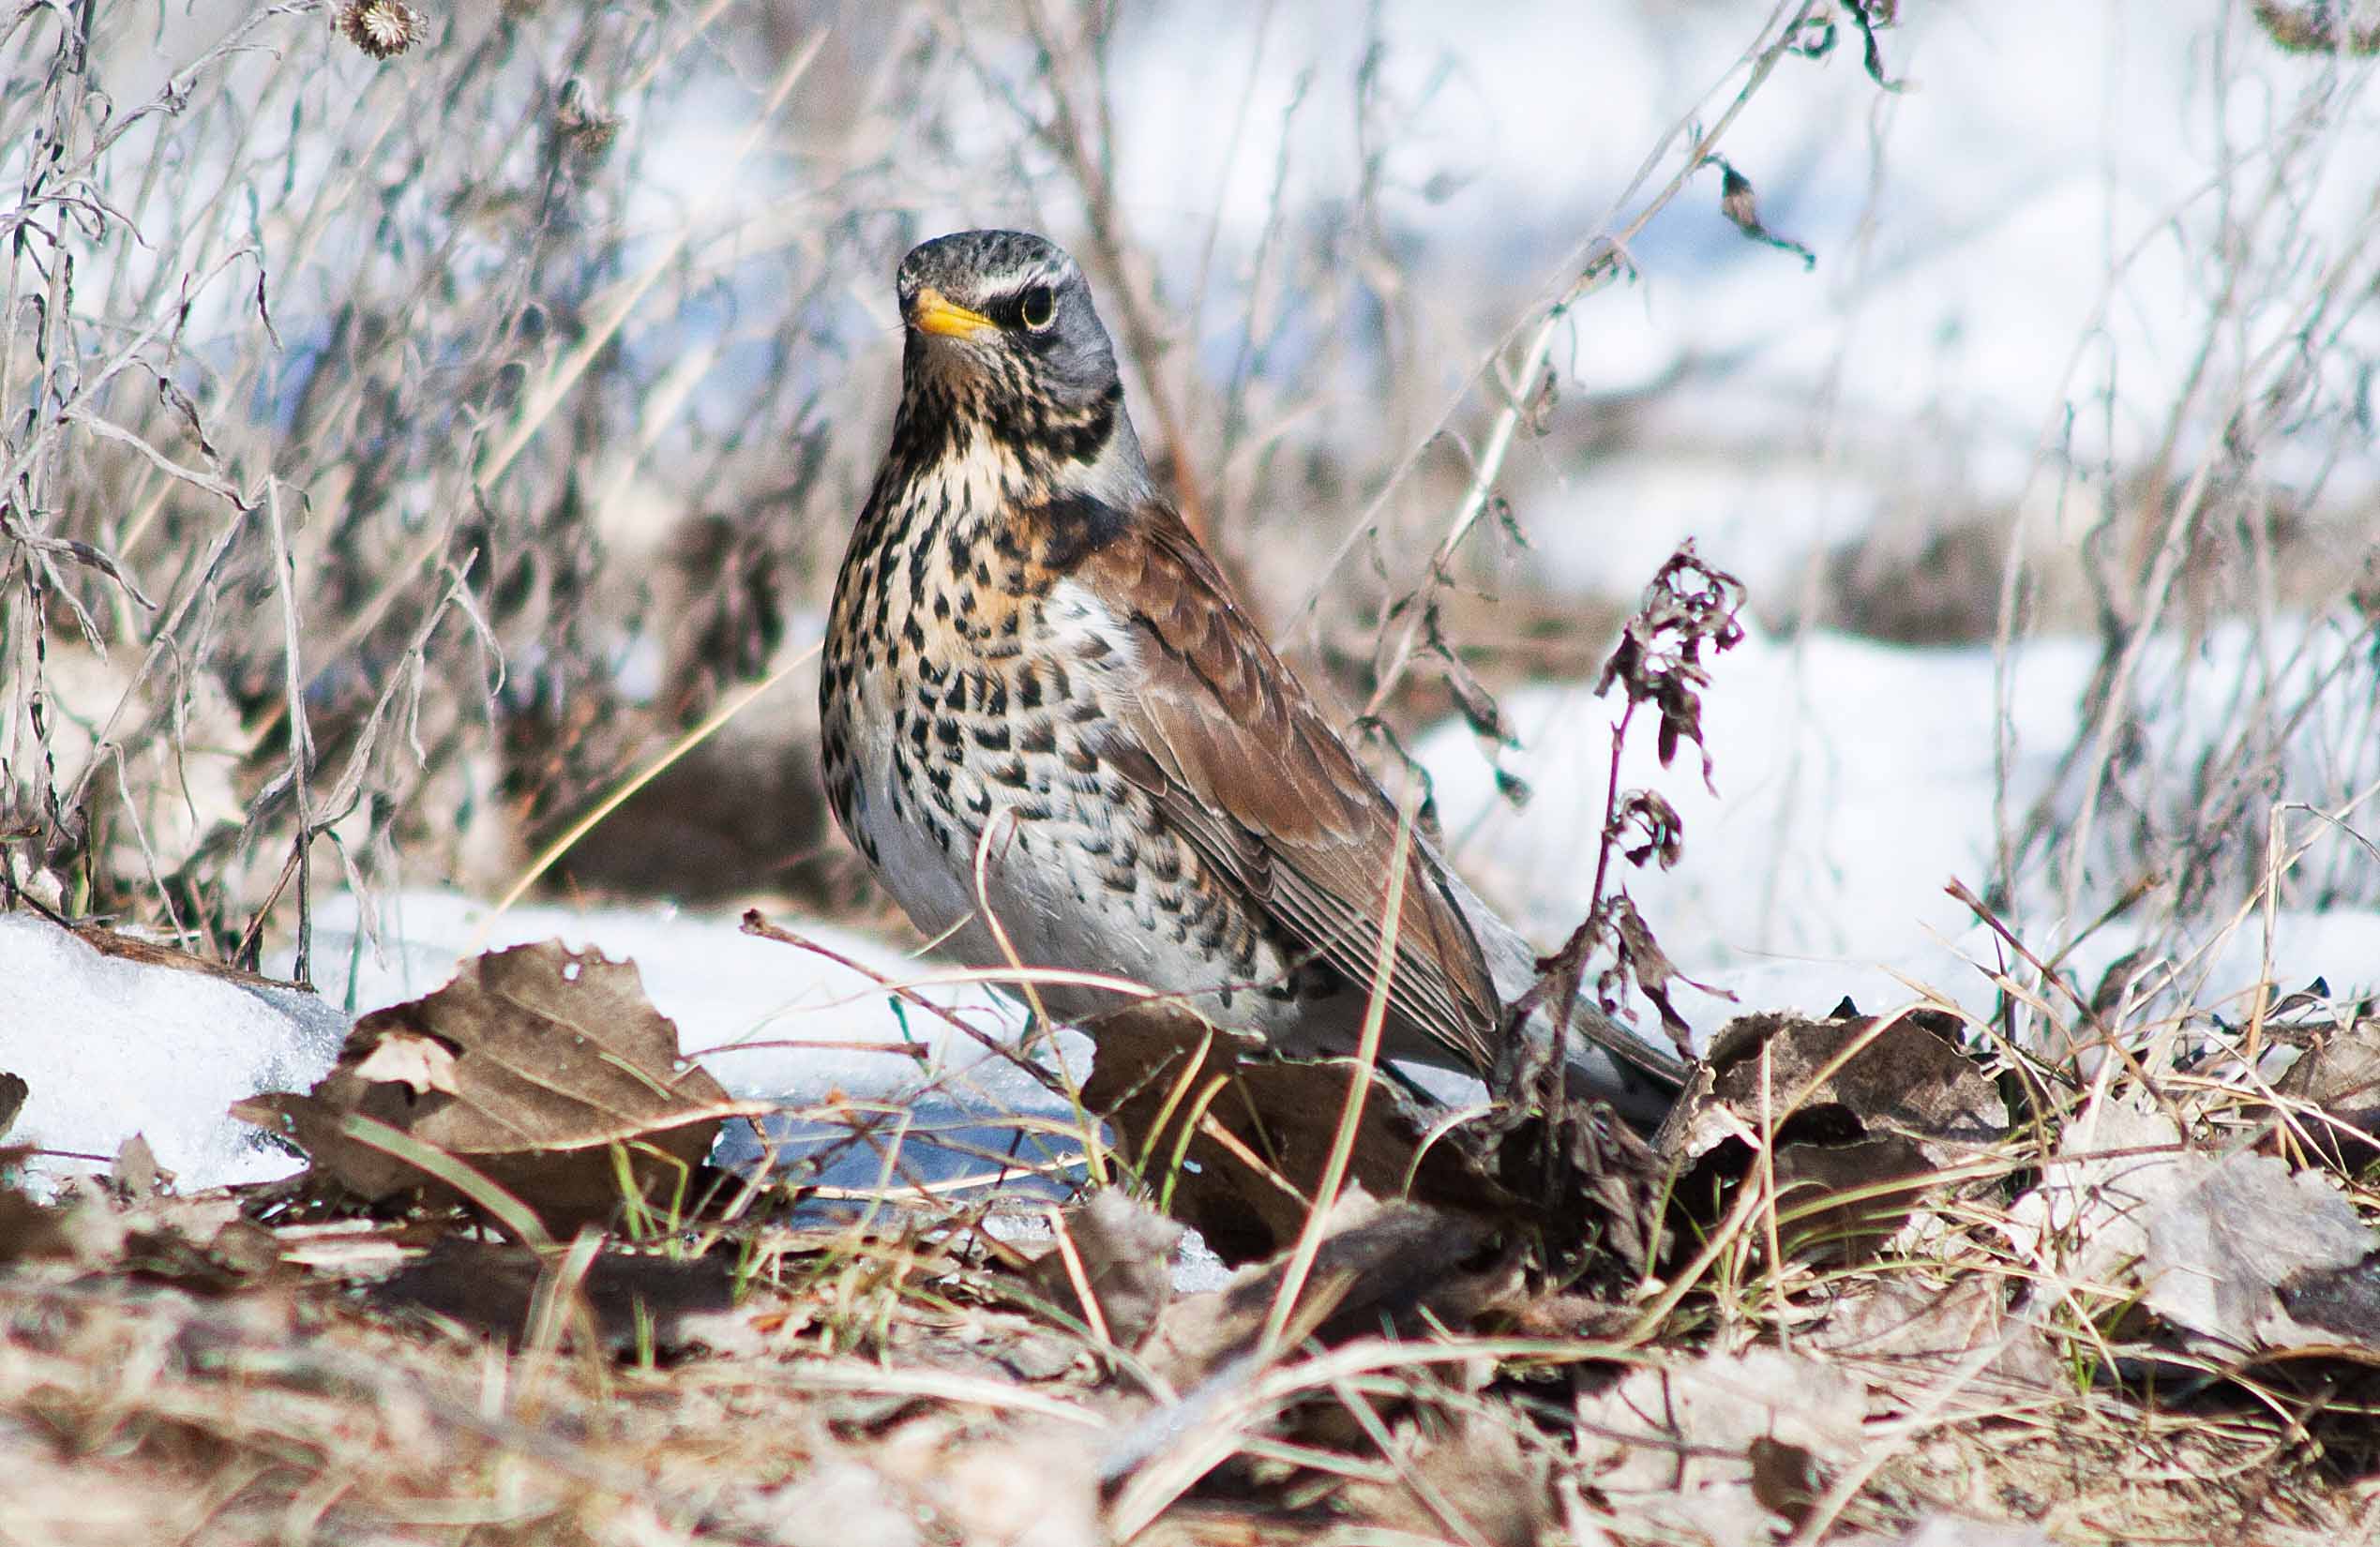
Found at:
(1892, 1283)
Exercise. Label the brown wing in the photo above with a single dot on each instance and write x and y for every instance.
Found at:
(1243, 764)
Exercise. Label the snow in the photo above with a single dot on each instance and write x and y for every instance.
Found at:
(1853, 781)
(110, 1047)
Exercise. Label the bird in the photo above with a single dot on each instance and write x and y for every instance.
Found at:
(1060, 740)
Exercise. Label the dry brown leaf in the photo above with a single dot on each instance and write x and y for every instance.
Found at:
(1907, 1079)
(2242, 1255)
(2338, 1072)
(1377, 1260)
(1865, 1111)
(13, 1092)
(1673, 1448)
(1126, 1248)
(545, 1061)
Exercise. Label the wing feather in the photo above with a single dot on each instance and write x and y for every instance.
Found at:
(1242, 762)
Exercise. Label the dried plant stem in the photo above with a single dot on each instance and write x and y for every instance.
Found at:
(1367, 1052)
(570, 836)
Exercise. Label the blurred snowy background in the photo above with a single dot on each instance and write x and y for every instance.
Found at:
(403, 453)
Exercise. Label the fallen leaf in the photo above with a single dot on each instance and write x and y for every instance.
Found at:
(1900, 1076)
(135, 1172)
(2340, 1073)
(548, 1065)
(1863, 1110)
(2237, 1251)
(1126, 1252)
(1675, 1450)
(2226, 1247)
(1385, 1260)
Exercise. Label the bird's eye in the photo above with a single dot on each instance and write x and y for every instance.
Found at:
(1036, 306)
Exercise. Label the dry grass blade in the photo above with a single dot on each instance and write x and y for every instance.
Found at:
(1367, 1052)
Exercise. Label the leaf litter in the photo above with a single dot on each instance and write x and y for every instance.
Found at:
(1879, 1304)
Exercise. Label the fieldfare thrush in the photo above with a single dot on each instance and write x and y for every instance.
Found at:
(1042, 702)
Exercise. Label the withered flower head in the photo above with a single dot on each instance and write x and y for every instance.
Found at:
(382, 28)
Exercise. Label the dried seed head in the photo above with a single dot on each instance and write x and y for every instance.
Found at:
(382, 28)
(585, 131)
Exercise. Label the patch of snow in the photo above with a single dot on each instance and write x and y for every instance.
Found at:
(110, 1047)
(1854, 781)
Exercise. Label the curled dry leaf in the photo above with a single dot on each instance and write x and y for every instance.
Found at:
(1690, 1450)
(2338, 1072)
(1866, 1076)
(1378, 1262)
(1864, 1109)
(2240, 1255)
(531, 1067)
(1260, 1145)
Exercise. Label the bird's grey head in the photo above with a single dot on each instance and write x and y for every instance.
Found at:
(1003, 340)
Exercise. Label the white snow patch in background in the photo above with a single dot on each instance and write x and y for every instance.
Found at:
(110, 1047)
(1855, 781)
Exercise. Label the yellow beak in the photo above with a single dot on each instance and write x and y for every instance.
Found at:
(931, 312)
